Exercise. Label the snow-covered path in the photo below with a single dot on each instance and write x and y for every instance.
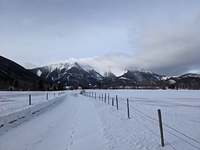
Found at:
(72, 124)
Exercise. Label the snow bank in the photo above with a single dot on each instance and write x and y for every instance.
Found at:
(16, 117)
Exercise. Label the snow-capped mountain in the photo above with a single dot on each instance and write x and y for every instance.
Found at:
(133, 69)
(69, 74)
(84, 75)
(138, 76)
(186, 81)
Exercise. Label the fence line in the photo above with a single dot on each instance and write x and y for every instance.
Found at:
(30, 100)
(153, 120)
(169, 127)
(18, 101)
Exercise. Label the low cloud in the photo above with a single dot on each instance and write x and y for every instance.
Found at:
(112, 61)
(29, 65)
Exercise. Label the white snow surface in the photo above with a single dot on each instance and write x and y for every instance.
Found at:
(134, 69)
(39, 73)
(15, 107)
(69, 65)
(79, 122)
(165, 78)
(61, 66)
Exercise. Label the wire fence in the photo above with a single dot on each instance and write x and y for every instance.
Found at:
(122, 103)
(12, 102)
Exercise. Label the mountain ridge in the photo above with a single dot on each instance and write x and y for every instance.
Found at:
(13, 76)
(78, 74)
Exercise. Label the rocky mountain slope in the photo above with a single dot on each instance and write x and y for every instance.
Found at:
(187, 81)
(69, 74)
(15, 77)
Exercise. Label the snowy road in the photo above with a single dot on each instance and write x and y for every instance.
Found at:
(72, 124)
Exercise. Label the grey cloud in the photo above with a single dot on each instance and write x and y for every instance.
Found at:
(172, 50)
(169, 51)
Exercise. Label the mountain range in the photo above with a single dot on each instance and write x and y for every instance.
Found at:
(69, 74)
(75, 75)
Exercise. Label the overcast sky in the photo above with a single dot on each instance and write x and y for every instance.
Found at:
(158, 35)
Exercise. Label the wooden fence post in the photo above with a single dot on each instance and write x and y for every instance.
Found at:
(95, 95)
(161, 128)
(128, 109)
(102, 97)
(108, 99)
(117, 102)
(29, 99)
(105, 97)
(47, 97)
(112, 101)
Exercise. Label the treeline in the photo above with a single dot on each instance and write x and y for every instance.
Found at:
(14, 84)
(190, 86)
(164, 86)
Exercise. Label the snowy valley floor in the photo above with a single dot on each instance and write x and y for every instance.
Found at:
(79, 122)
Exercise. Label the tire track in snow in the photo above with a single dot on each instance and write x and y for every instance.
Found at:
(75, 124)
(87, 132)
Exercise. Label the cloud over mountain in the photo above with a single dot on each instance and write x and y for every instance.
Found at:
(171, 49)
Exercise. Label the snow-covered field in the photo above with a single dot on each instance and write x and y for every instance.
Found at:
(180, 116)
(15, 107)
(14, 101)
(82, 122)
